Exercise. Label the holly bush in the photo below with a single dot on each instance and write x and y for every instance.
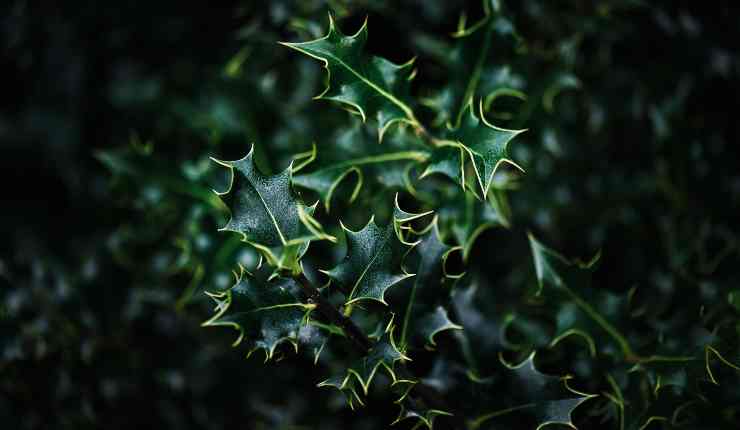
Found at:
(463, 215)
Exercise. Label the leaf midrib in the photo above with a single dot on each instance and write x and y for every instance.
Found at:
(405, 108)
(387, 235)
(393, 156)
(269, 212)
(279, 306)
(477, 70)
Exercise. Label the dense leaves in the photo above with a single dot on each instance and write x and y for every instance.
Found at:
(376, 258)
(594, 253)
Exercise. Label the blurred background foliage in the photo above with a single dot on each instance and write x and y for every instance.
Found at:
(110, 112)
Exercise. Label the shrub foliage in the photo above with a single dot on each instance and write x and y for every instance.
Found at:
(442, 215)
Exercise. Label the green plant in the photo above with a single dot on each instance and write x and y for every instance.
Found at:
(395, 292)
(628, 157)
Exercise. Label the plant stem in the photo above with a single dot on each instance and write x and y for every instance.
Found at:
(328, 311)
(603, 323)
(427, 137)
(407, 316)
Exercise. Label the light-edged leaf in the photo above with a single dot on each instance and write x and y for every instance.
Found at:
(372, 264)
(472, 68)
(434, 322)
(467, 217)
(348, 385)
(424, 315)
(568, 284)
(268, 215)
(447, 161)
(547, 398)
(422, 416)
(384, 354)
(402, 221)
(354, 156)
(266, 311)
(485, 145)
(372, 86)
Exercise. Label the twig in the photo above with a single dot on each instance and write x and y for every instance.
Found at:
(328, 311)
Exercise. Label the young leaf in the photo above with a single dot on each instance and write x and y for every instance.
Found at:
(353, 156)
(466, 217)
(401, 220)
(372, 86)
(372, 264)
(485, 145)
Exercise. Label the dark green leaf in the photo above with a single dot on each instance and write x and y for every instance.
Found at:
(372, 86)
(548, 398)
(372, 264)
(266, 311)
(267, 214)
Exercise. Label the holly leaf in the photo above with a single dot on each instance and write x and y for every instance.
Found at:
(448, 161)
(267, 214)
(384, 354)
(372, 264)
(636, 402)
(485, 145)
(549, 399)
(702, 356)
(466, 217)
(402, 221)
(572, 321)
(372, 86)
(602, 319)
(424, 316)
(347, 385)
(556, 271)
(420, 414)
(352, 156)
(486, 316)
(266, 311)
(581, 311)
(471, 74)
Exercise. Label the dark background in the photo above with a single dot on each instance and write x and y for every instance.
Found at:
(88, 343)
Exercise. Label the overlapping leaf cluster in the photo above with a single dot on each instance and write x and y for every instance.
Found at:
(391, 295)
(398, 234)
